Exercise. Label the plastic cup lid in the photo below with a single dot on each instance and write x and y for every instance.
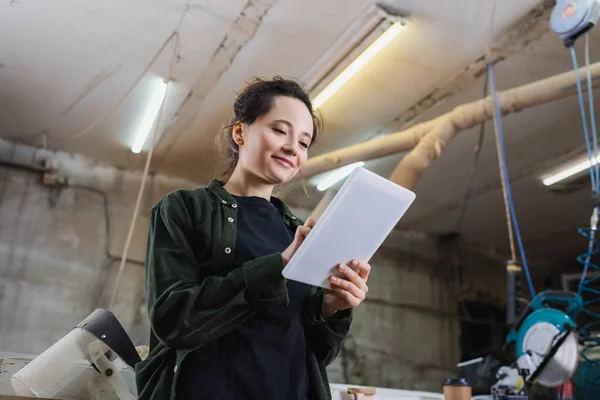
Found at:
(456, 382)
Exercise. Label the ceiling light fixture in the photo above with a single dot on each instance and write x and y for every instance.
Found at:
(337, 175)
(368, 35)
(156, 102)
(568, 172)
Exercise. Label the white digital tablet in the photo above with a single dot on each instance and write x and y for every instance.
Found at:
(353, 226)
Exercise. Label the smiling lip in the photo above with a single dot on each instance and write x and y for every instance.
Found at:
(285, 162)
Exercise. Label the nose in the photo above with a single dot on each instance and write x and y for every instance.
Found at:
(291, 148)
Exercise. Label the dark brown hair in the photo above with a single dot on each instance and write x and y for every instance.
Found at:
(255, 101)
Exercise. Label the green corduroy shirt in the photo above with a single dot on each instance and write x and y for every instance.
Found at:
(196, 294)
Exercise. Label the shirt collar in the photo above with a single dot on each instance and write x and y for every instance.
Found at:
(216, 186)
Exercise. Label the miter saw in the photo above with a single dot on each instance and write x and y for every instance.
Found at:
(95, 360)
(546, 345)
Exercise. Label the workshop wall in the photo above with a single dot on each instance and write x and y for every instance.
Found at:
(60, 247)
(406, 335)
(59, 259)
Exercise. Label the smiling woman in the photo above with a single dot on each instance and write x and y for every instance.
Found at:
(225, 323)
(279, 106)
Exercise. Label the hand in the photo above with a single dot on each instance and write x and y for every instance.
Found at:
(348, 291)
(299, 237)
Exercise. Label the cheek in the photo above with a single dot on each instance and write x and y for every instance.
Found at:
(270, 143)
(302, 158)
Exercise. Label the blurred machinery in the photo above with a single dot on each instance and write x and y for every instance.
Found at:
(547, 347)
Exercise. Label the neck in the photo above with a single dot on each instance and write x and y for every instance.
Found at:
(245, 184)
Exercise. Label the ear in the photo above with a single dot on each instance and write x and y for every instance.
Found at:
(237, 133)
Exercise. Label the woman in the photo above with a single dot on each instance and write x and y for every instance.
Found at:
(225, 323)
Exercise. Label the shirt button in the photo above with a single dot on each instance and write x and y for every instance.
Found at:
(234, 205)
(294, 218)
(175, 369)
(230, 219)
(224, 201)
(227, 250)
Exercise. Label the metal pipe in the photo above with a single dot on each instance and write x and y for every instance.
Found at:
(26, 167)
(428, 139)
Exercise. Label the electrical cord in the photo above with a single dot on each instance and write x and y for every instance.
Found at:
(110, 110)
(511, 216)
(590, 232)
(593, 170)
(153, 140)
(509, 227)
(592, 113)
(106, 209)
(476, 154)
(504, 175)
(145, 173)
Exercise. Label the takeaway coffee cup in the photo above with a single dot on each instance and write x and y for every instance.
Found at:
(457, 389)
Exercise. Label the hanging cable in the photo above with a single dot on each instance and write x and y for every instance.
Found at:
(476, 154)
(584, 287)
(504, 175)
(511, 216)
(593, 295)
(593, 174)
(110, 110)
(140, 195)
(594, 161)
(511, 239)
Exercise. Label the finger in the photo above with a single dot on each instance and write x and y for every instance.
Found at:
(303, 231)
(350, 300)
(362, 267)
(347, 286)
(352, 276)
(310, 222)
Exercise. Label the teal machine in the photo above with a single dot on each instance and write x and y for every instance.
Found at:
(546, 344)
(551, 351)
(545, 338)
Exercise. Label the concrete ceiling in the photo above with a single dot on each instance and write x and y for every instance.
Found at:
(62, 65)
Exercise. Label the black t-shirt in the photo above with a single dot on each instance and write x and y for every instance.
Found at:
(265, 357)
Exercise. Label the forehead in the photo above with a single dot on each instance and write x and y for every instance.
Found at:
(292, 110)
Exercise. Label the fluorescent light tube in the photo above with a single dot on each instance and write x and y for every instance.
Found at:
(564, 174)
(156, 101)
(356, 65)
(337, 175)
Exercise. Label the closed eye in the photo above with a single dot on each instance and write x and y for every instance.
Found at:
(305, 145)
(281, 132)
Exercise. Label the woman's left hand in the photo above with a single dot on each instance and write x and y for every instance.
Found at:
(348, 291)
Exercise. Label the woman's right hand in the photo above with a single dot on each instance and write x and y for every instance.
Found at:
(299, 237)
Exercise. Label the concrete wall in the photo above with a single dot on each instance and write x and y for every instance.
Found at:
(58, 263)
(406, 334)
(58, 255)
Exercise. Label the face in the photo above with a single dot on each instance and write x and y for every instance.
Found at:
(275, 146)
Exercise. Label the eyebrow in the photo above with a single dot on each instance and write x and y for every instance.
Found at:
(289, 124)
